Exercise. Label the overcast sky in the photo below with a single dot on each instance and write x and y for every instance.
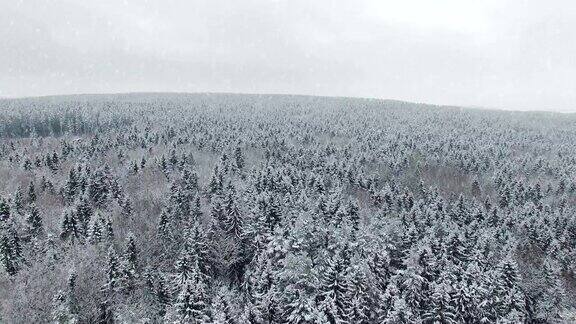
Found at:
(492, 53)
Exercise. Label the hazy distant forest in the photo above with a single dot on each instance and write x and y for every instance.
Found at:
(175, 208)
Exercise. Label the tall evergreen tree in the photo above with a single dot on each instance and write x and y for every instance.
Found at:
(4, 209)
(34, 221)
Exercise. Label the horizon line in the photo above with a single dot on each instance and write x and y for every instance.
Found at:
(471, 107)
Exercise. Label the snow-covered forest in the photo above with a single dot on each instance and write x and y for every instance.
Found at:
(175, 208)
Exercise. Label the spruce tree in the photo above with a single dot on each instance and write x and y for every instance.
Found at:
(440, 309)
(4, 209)
(238, 158)
(34, 221)
(353, 215)
(163, 226)
(70, 227)
(18, 201)
(95, 232)
(191, 305)
(234, 221)
(109, 230)
(83, 212)
(10, 250)
(31, 192)
(129, 264)
(333, 289)
(113, 271)
(162, 293)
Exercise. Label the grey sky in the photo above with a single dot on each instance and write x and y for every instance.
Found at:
(493, 53)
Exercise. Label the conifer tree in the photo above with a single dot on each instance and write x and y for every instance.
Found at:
(238, 158)
(440, 309)
(34, 221)
(196, 210)
(191, 305)
(352, 211)
(64, 310)
(400, 312)
(4, 209)
(18, 201)
(70, 227)
(234, 221)
(162, 293)
(129, 264)
(333, 289)
(95, 232)
(109, 229)
(83, 212)
(163, 229)
(10, 250)
(31, 192)
(113, 271)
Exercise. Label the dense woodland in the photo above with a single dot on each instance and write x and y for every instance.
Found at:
(175, 208)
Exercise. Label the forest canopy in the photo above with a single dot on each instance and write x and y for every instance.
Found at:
(221, 208)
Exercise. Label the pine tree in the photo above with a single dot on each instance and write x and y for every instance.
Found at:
(196, 210)
(191, 305)
(10, 250)
(400, 312)
(72, 185)
(221, 308)
(352, 210)
(131, 254)
(511, 299)
(4, 209)
(216, 184)
(70, 227)
(551, 302)
(218, 211)
(18, 201)
(163, 164)
(504, 197)
(238, 158)
(272, 212)
(234, 221)
(162, 293)
(359, 302)
(261, 283)
(184, 267)
(333, 289)
(163, 229)
(83, 212)
(34, 221)
(64, 309)
(508, 271)
(440, 309)
(113, 272)
(95, 232)
(54, 162)
(31, 192)
(303, 310)
(192, 302)
(97, 188)
(129, 264)
(109, 229)
(190, 181)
